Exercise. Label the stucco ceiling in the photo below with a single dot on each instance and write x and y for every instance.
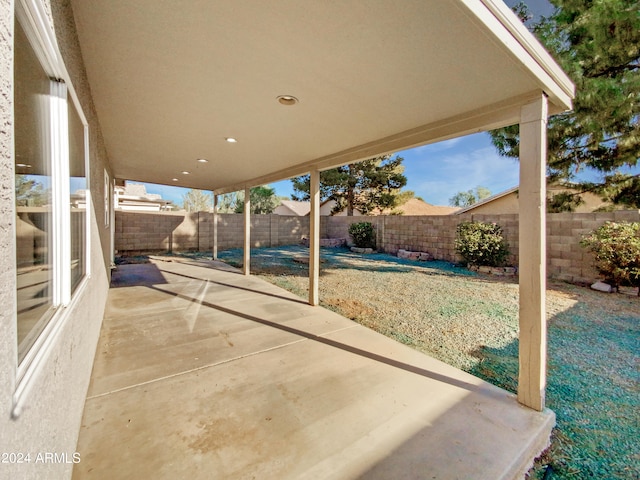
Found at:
(171, 80)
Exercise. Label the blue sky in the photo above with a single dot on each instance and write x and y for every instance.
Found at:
(437, 172)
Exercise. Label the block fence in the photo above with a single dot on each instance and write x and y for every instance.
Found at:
(144, 232)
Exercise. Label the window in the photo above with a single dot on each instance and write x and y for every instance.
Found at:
(33, 194)
(78, 190)
(50, 183)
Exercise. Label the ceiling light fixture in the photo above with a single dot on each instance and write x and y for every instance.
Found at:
(287, 100)
(23, 165)
(203, 160)
(174, 179)
(186, 173)
(231, 140)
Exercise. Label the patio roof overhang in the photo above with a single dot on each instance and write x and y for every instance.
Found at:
(171, 81)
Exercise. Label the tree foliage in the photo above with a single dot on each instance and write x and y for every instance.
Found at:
(30, 193)
(481, 243)
(365, 186)
(229, 202)
(263, 199)
(598, 45)
(616, 248)
(465, 199)
(363, 234)
(197, 201)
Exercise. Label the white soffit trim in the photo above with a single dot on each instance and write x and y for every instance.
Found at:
(510, 33)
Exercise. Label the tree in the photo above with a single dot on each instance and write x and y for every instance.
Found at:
(197, 201)
(30, 193)
(263, 200)
(598, 45)
(366, 185)
(229, 202)
(465, 199)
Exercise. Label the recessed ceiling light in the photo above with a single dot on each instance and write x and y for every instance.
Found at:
(231, 140)
(186, 173)
(203, 160)
(174, 179)
(287, 100)
(23, 165)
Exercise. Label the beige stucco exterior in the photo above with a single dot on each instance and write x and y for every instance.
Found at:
(46, 416)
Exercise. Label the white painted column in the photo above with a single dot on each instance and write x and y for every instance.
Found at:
(532, 252)
(314, 239)
(246, 263)
(215, 226)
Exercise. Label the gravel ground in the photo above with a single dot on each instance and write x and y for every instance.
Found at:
(470, 321)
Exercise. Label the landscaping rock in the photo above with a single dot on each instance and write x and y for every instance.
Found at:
(361, 250)
(498, 271)
(409, 255)
(602, 287)
(326, 242)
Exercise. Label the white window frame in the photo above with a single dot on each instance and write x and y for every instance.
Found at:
(34, 20)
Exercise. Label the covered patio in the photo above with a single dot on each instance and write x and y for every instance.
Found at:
(238, 377)
(227, 96)
(202, 372)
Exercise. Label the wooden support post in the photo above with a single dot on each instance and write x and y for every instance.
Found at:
(246, 263)
(314, 239)
(532, 252)
(215, 226)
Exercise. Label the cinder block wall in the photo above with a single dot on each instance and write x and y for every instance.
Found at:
(162, 232)
(566, 259)
(155, 232)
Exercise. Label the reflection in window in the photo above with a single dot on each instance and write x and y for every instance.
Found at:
(33, 194)
(78, 186)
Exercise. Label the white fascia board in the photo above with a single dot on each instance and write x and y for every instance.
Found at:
(509, 32)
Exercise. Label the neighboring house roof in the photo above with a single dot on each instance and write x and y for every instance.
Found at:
(326, 208)
(490, 199)
(295, 208)
(415, 206)
(501, 203)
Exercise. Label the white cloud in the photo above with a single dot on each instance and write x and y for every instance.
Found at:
(442, 176)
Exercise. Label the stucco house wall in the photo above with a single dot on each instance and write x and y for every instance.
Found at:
(54, 400)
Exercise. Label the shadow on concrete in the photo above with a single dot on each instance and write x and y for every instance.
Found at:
(237, 287)
(329, 342)
(137, 274)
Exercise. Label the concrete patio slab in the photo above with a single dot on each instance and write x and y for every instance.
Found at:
(204, 373)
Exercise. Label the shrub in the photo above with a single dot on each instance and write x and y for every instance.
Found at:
(481, 243)
(616, 247)
(363, 234)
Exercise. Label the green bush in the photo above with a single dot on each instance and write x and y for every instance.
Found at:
(481, 243)
(363, 234)
(616, 247)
